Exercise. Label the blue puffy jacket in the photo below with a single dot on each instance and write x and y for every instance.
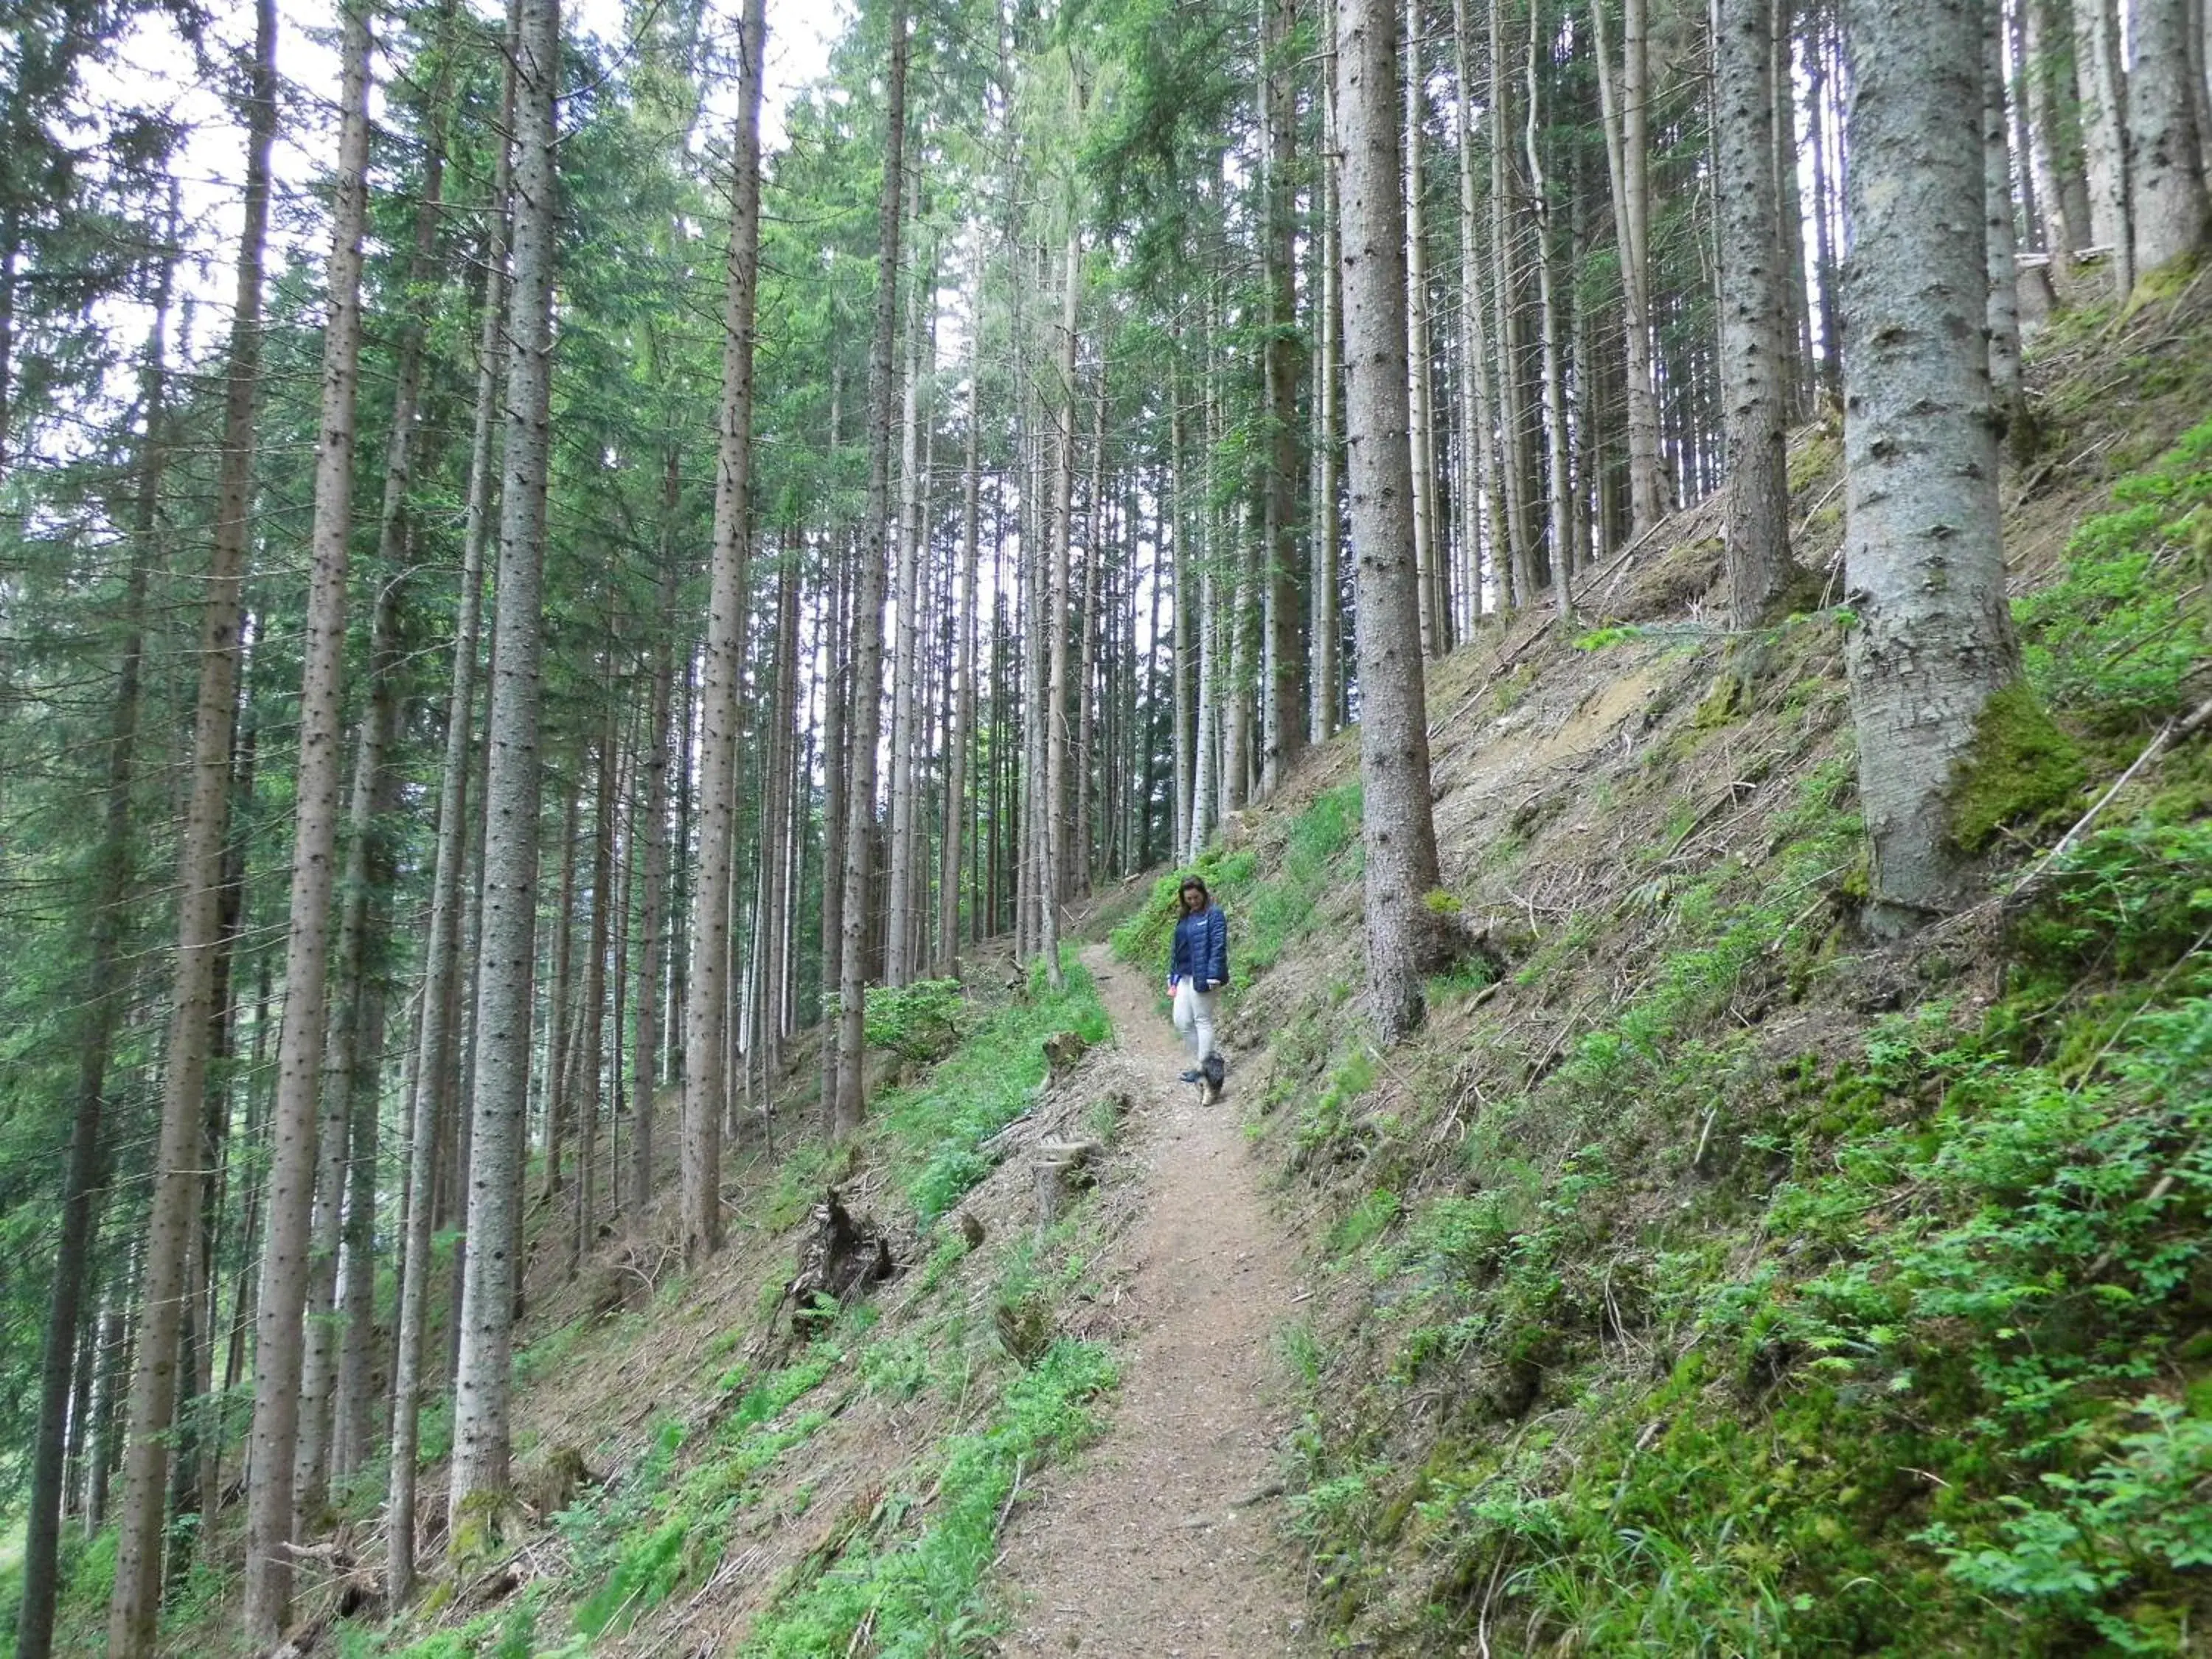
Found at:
(1201, 949)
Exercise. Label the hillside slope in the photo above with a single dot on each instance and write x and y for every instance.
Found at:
(1702, 1278)
(1706, 1278)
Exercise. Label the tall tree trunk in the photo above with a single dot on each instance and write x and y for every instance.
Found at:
(356, 1414)
(2168, 213)
(1394, 745)
(1328, 375)
(1626, 116)
(775, 808)
(899, 930)
(272, 1516)
(341, 1059)
(101, 1006)
(1054, 714)
(964, 709)
(1088, 628)
(2054, 102)
(507, 942)
(1559, 515)
(589, 1094)
(1504, 268)
(849, 1099)
(1422, 429)
(1183, 677)
(135, 1603)
(646, 1068)
(1478, 480)
(705, 1039)
(2103, 84)
(1282, 729)
(561, 999)
(1755, 528)
(2003, 260)
(1819, 97)
(836, 760)
(1924, 556)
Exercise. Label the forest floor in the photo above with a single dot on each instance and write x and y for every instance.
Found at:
(1161, 1540)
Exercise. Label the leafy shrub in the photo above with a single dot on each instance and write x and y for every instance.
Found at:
(938, 1126)
(919, 1022)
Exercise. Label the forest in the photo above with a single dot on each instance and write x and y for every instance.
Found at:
(610, 621)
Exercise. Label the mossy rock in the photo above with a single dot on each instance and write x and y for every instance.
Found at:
(482, 1524)
(2020, 772)
(1722, 703)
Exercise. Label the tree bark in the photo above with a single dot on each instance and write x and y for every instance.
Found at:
(646, 1068)
(1559, 529)
(1626, 110)
(1755, 524)
(1054, 618)
(2000, 250)
(272, 1518)
(101, 1006)
(342, 1056)
(1282, 735)
(1422, 427)
(963, 708)
(849, 1100)
(1520, 583)
(1329, 319)
(135, 1603)
(590, 1094)
(900, 933)
(1478, 481)
(2049, 70)
(1394, 746)
(706, 1041)
(2168, 213)
(506, 947)
(2103, 86)
(1924, 555)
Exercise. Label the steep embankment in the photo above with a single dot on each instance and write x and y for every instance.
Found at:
(1706, 1278)
(1701, 1279)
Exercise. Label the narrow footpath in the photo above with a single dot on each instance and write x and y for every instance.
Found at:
(1161, 1541)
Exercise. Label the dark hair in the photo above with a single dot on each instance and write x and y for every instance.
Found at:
(1190, 882)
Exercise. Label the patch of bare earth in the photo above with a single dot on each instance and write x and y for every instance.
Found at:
(1161, 1540)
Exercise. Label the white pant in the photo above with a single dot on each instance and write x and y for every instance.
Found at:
(1194, 1017)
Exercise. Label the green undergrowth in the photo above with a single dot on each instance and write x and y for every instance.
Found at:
(2119, 642)
(933, 1130)
(1909, 1350)
(921, 1594)
(1724, 1288)
(1272, 891)
(898, 1558)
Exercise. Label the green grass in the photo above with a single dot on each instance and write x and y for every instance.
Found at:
(2111, 644)
(1734, 1352)
(1268, 913)
(934, 1129)
(922, 1593)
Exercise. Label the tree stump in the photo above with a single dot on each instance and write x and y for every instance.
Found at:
(1062, 1168)
(841, 1255)
(1062, 1049)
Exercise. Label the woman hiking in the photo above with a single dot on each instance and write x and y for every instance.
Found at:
(1198, 967)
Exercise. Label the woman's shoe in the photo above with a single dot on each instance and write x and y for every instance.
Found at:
(1192, 1075)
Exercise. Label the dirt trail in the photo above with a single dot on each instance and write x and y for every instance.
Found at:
(1161, 1541)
